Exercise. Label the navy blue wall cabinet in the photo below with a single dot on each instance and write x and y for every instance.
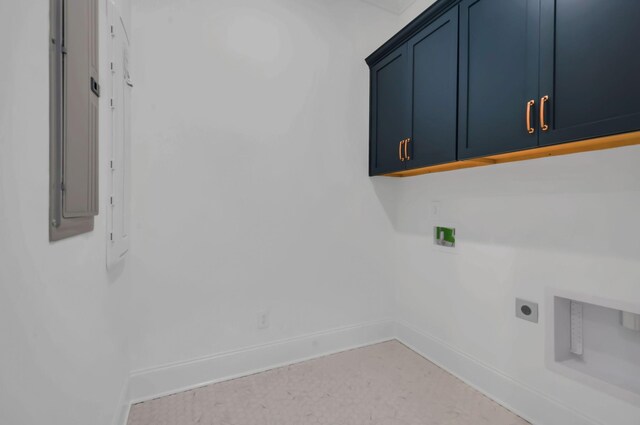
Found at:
(414, 93)
(476, 82)
(499, 42)
(433, 63)
(590, 68)
(390, 113)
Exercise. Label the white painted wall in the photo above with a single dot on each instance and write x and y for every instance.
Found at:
(567, 222)
(250, 120)
(63, 318)
(251, 194)
(413, 10)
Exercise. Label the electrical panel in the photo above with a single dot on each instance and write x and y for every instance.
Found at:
(74, 117)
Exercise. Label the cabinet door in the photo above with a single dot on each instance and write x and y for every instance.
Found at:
(433, 63)
(499, 52)
(390, 113)
(590, 68)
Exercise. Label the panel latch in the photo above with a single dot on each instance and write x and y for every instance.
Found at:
(95, 87)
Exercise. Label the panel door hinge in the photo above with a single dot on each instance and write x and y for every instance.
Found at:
(112, 68)
(111, 164)
(111, 237)
(62, 186)
(111, 104)
(111, 200)
(113, 32)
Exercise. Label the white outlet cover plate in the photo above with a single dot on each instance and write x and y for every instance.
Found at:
(533, 316)
(435, 209)
(263, 320)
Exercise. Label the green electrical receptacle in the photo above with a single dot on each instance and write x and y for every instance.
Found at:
(444, 236)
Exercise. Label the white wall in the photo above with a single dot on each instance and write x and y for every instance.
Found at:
(567, 222)
(63, 318)
(413, 10)
(250, 124)
(250, 194)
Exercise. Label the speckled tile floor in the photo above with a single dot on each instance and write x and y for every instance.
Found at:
(383, 384)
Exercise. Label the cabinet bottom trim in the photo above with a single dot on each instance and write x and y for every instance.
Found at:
(608, 142)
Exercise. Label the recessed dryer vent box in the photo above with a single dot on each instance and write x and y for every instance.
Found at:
(594, 341)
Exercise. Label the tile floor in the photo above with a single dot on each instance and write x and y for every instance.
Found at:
(383, 384)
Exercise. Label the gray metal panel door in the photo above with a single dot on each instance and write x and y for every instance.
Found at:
(80, 150)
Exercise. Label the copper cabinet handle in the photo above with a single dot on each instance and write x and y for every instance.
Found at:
(543, 125)
(530, 104)
(400, 150)
(406, 154)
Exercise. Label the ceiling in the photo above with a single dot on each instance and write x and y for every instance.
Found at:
(394, 6)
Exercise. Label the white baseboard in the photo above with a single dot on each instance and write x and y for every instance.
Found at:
(173, 378)
(522, 400)
(530, 404)
(122, 410)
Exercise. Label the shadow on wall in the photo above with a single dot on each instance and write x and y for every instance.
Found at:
(387, 190)
(114, 274)
(584, 203)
